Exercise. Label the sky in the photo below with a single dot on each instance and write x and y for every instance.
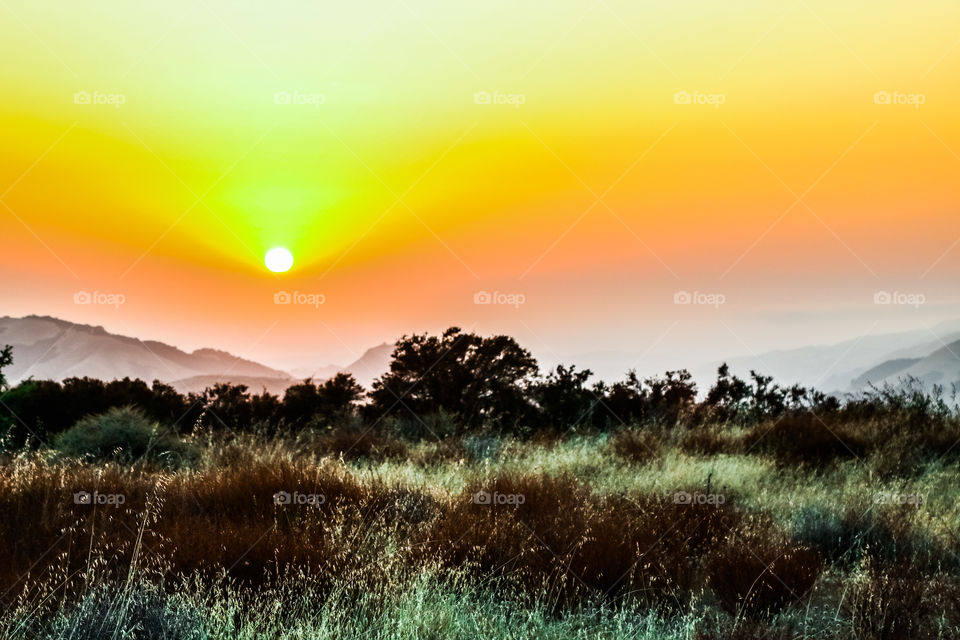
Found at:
(676, 180)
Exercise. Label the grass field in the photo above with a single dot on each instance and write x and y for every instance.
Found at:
(647, 533)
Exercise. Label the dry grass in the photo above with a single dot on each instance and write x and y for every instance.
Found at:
(636, 446)
(224, 520)
(899, 602)
(758, 572)
(355, 444)
(807, 439)
(568, 542)
(597, 526)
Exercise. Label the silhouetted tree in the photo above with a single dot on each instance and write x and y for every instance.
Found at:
(729, 391)
(341, 394)
(265, 410)
(329, 401)
(6, 359)
(164, 404)
(669, 395)
(732, 398)
(224, 405)
(563, 399)
(624, 402)
(727, 400)
(43, 408)
(481, 381)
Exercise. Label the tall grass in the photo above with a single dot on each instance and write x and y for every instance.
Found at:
(588, 540)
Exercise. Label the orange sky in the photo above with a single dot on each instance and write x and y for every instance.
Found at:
(415, 154)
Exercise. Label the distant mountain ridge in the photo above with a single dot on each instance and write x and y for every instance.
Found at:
(931, 356)
(941, 367)
(374, 362)
(48, 348)
(55, 349)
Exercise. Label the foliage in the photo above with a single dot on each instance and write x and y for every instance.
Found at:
(564, 400)
(6, 359)
(331, 401)
(123, 434)
(479, 380)
(40, 409)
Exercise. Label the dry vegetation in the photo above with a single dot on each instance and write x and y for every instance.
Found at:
(467, 496)
(576, 537)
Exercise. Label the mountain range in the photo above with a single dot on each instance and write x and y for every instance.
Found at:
(47, 348)
(55, 349)
(931, 355)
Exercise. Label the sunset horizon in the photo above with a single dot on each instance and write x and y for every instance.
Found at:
(594, 186)
(410, 319)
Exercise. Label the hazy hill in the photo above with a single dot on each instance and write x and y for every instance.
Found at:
(54, 349)
(47, 348)
(374, 362)
(256, 385)
(846, 365)
(883, 371)
(941, 366)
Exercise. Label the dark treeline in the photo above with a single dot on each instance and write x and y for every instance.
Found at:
(436, 386)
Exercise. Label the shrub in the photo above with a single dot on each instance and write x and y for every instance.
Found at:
(6, 359)
(564, 401)
(44, 408)
(123, 434)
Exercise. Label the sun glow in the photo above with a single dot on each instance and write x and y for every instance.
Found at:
(278, 259)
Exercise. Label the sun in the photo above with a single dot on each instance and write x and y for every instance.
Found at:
(278, 259)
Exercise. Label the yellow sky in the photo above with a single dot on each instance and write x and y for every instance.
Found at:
(596, 157)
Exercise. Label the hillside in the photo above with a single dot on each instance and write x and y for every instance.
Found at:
(54, 349)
